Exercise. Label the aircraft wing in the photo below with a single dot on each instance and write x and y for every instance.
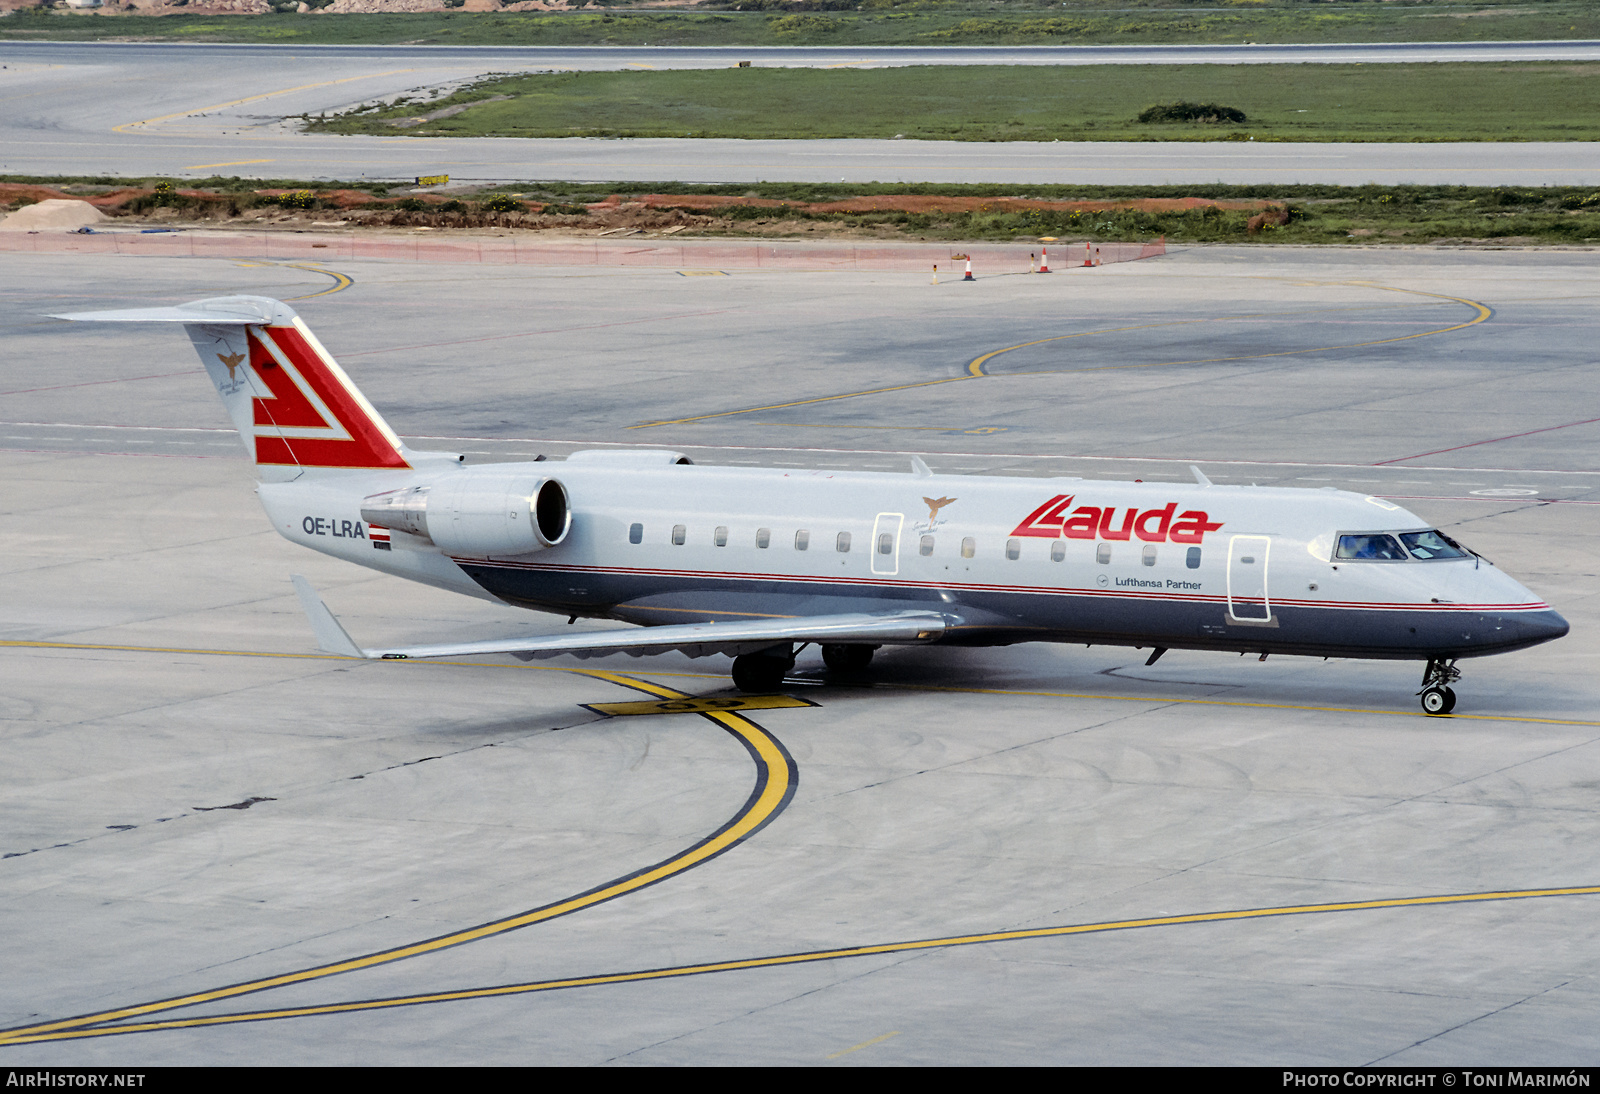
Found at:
(694, 639)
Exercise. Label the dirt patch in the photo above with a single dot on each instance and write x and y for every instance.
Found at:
(446, 112)
(53, 214)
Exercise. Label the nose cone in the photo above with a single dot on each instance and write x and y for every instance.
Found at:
(1543, 626)
(1519, 630)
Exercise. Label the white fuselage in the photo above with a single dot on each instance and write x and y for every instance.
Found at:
(1149, 564)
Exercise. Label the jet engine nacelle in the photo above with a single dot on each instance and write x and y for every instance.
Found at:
(478, 511)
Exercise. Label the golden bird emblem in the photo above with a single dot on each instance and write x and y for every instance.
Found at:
(232, 361)
(936, 504)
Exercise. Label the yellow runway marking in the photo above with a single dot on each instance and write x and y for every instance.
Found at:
(775, 784)
(865, 1044)
(802, 402)
(698, 706)
(341, 281)
(975, 367)
(126, 126)
(1159, 699)
(982, 430)
(43, 1033)
(1238, 703)
(230, 163)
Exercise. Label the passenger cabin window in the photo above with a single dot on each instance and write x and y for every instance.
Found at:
(1013, 549)
(886, 543)
(842, 544)
(679, 534)
(635, 533)
(1371, 547)
(1191, 558)
(1058, 550)
(720, 536)
(1102, 554)
(925, 548)
(763, 538)
(969, 547)
(802, 540)
(1148, 556)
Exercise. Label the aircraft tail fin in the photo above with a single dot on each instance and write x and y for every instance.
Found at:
(296, 410)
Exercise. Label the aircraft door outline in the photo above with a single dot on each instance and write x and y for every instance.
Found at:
(1248, 599)
(887, 563)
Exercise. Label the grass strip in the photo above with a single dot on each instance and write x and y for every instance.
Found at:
(1531, 101)
(862, 22)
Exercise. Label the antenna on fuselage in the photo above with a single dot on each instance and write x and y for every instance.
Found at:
(920, 469)
(1199, 476)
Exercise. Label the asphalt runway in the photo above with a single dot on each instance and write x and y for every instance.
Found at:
(1211, 860)
(196, 110)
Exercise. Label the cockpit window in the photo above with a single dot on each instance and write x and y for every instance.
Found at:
(1433, 544)
(1428, 546)
(1374, 546)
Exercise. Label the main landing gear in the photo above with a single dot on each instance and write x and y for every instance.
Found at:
(764, 671)
(847, 660)
(1438, 697)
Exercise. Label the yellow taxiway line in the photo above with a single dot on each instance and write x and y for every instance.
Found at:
(975, 369)
(126, 126)
(776, 778)
(41, 1033)
(1160, 700)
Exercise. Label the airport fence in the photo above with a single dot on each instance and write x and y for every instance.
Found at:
(987, 259)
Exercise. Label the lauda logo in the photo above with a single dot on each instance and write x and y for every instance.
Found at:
(1051, 520)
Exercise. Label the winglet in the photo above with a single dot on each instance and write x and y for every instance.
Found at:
(331, 637)
(1199, 476)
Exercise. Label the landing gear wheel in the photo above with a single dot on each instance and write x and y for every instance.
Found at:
(847, 659)
(758, 672)
(1438, 697)
(1437, 700)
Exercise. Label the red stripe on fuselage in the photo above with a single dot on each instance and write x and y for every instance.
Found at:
(1038, 590)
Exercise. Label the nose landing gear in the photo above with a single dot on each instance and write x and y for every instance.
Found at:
(1438, 697)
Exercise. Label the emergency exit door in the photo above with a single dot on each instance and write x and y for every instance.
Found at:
(1247, 579)
(886, 543)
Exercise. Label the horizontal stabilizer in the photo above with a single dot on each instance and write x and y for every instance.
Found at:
(221, 311)
(693, 639)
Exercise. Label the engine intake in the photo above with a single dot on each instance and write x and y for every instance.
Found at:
(481, 512)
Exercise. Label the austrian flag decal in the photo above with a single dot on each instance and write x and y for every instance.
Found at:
(1165, 525)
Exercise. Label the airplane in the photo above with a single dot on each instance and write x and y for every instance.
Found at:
(753, 562)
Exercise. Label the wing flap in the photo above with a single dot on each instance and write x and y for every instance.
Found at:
(693, 639)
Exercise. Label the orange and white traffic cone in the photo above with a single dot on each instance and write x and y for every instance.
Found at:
(1088, 258)
(1044, 259)
(1097, 256)
(969, 276)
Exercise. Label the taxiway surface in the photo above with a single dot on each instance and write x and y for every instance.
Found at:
(193, 798)
(197, 110)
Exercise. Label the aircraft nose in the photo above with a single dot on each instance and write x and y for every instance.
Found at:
(1545, 626)
(1525, 629)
